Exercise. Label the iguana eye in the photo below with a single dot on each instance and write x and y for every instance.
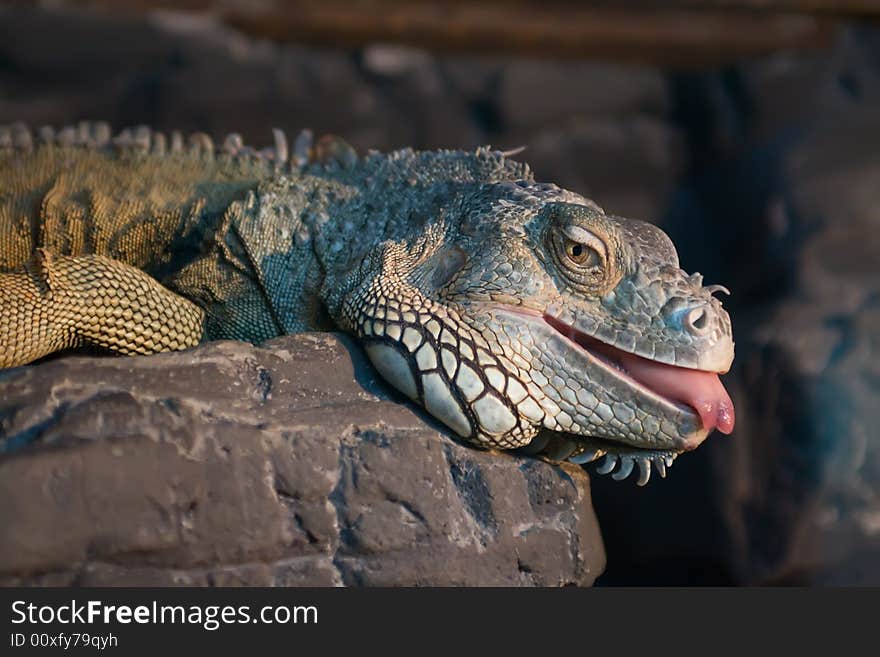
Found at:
(581, 254)
(582, 247)
(582, 250)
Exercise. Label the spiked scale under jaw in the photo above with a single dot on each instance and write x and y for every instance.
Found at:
(583, 450)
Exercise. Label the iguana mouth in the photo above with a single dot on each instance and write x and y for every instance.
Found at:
(697, 391)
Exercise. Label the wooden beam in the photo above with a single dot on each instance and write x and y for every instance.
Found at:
(670, 36)
(687, 33)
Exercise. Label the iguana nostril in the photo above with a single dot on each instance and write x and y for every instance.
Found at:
(697, 319)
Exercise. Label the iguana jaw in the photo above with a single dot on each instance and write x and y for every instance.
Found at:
(670, 426)
(697, 392)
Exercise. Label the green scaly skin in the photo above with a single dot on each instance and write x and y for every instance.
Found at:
(471, 286)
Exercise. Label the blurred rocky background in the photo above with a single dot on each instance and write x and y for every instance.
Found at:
(749, 130)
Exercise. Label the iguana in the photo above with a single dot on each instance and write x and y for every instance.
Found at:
(515, 312)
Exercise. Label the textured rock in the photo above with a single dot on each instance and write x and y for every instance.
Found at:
(285, 464)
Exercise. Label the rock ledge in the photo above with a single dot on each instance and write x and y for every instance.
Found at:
(283, 464)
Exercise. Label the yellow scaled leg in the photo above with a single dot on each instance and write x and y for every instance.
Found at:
(58, 302)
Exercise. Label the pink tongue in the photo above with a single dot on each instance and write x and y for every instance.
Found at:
(702, 390)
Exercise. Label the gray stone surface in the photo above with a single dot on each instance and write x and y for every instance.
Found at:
(284, 464)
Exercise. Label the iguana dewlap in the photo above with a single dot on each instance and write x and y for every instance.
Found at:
(517, 313)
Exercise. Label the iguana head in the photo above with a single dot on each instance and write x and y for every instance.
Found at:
(526, 309)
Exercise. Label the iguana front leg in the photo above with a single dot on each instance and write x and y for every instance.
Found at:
(58, 302)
